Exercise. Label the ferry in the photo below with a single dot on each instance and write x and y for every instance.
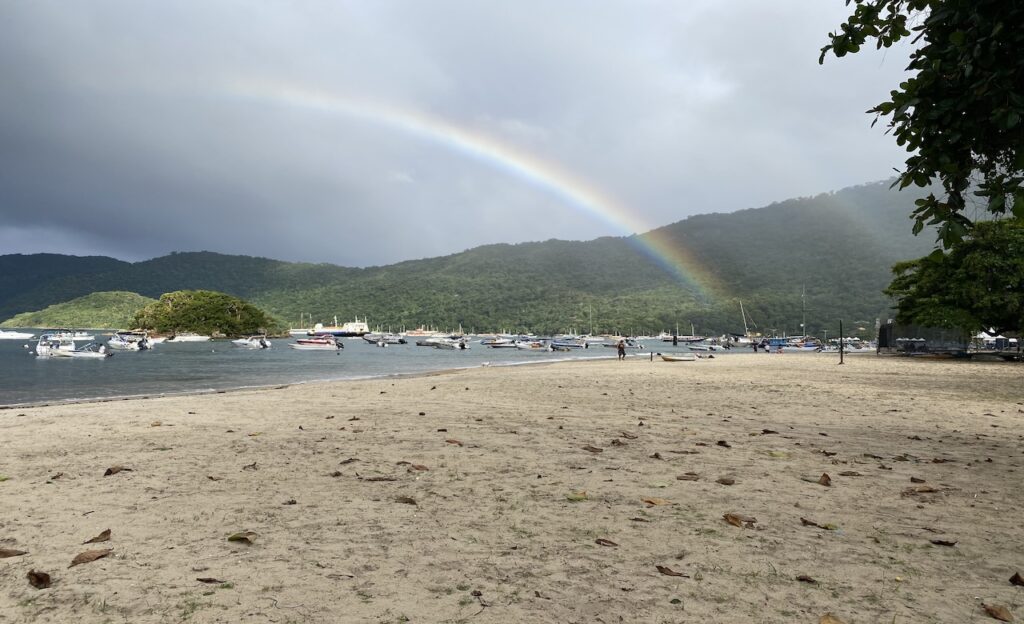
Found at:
(354, 328)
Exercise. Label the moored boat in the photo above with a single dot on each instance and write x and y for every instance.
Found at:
(188, 337)
(319, 343)
(13, 335)
(252, 342)
(129, 341)
(53, 344)
(91, 351)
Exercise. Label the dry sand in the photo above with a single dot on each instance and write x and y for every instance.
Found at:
(469, 497)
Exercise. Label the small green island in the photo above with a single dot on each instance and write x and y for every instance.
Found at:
(199, 311)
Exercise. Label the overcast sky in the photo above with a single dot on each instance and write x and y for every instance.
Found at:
(370, 132)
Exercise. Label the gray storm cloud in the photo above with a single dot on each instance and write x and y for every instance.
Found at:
(133, 129)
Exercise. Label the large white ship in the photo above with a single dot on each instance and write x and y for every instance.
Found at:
(351, 328)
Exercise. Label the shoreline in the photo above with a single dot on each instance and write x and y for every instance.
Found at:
(283, 385)
(556, 493)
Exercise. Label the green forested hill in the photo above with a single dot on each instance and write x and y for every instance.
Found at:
(838, 246)
(114, 309)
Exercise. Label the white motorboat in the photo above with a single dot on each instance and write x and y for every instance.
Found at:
(450, 343)
(499, 343)
(13, 335)
(252, 342)
(382, 340)
(129, 341)
(532, 345)
(53, 344)
(91, 351)
(187, 337)
(319, 343)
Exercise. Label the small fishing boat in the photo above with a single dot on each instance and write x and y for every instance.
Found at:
(252, 342)
(319, 343)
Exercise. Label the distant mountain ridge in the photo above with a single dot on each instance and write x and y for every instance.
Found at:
(837, 247)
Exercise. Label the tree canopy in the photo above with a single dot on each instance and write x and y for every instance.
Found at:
(204, 311)
(960, 113)
(977, 285)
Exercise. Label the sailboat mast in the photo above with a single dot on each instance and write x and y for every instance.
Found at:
(803, 307)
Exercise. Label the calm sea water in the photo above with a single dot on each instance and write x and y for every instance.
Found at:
(219, 365)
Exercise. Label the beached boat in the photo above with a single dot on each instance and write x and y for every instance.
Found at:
(682, 357)
(252, 342)
(319, 343)
(13, 335)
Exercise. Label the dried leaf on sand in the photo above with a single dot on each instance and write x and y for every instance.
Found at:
(828, 618)
(245, 537)
(113, 470)
(998, 612)
(102, 537)
(604, 542)
(1017, 580)
(6, 552)
(653, 500)
(89, 556)
(667, 571)
(592, 449)
(739, 520)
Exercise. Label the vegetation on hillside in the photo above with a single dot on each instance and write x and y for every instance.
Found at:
(837, 248)
(111, 309)
(204, 312)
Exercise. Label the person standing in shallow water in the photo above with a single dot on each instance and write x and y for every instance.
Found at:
(622, 349)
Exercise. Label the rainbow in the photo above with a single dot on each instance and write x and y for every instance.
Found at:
(551, 178)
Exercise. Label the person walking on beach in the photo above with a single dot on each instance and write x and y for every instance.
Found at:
(622, 349)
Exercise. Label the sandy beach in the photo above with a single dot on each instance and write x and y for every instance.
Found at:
(883, 490)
